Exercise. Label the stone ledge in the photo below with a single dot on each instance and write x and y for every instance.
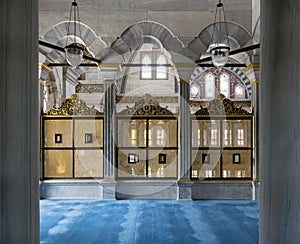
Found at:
(150, 189)
(222, 190)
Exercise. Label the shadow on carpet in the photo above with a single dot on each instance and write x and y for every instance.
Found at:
(149, 221)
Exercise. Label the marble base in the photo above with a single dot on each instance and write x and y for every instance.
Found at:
(181, 190)
(184, 190)
(146, 190)
(71, 189)
(222, 190)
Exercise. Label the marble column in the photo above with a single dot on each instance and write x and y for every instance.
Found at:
(280, 122)
(19, 135)
(109, 129)
(185, 130)
(256, 101)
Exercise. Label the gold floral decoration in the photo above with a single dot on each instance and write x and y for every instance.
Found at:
(221, 106)
(73, 106)
(146, 105)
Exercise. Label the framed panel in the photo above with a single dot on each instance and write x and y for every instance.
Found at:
(162, 133)
(132, 133)
(126, 167)
(207, 133)
(237, 170)
(147, 148)
(88, 163)
(168, 169)
(58, 133)
(197, 141)
(88, 133)
(206, 170)
(237, 133)
(58, 164)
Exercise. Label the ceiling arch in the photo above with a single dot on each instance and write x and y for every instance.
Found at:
(238, 36)
(131, 38)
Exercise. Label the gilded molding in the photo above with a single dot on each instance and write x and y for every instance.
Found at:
(251, 66)
(198, 104)
(89, 88)
(45, 66)
(133, 99)
(183, 81)
(146, 105)
(221, 106)
(73, 106)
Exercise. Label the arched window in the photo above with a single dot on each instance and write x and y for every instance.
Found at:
(161, 71)
(209, 86)
(146, 72)
(239, 92)
(195, 91)
(225, 85)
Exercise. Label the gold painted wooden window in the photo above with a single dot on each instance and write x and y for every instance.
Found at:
(72, 147)
(222, 147)
(155, 146)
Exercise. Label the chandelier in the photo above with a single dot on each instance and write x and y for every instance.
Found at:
(219, 46)
(74, 49)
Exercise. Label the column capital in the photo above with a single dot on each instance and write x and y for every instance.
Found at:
(109, 81)
(183, 81)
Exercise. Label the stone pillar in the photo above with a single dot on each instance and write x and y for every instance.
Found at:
(19, 135)
(185, 130)
(109, 129)
(280, 122)
(255, 102)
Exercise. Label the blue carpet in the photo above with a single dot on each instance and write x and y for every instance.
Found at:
(149, 221)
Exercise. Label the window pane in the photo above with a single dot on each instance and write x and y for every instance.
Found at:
(236, 170)
(83, 127)
(58, 163)
(161, 71)
(195, 91)
(239, 92)
(131, 133)
(209, 169)
(162, 133)
(166, 169)
(209, 86)
(207, 133)
(88, 163)
(58, 133)
(237, 133)
(224, 85)
(146, 72)
(127, 169)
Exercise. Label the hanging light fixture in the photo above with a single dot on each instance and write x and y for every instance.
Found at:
(73, 49)
(219, 45)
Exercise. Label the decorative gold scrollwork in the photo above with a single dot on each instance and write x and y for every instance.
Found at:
(73, 106)
(221, 106)
(146, 105)
(89, 88)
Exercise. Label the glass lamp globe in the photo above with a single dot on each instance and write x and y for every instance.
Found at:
(219, 54)
(74, 54)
